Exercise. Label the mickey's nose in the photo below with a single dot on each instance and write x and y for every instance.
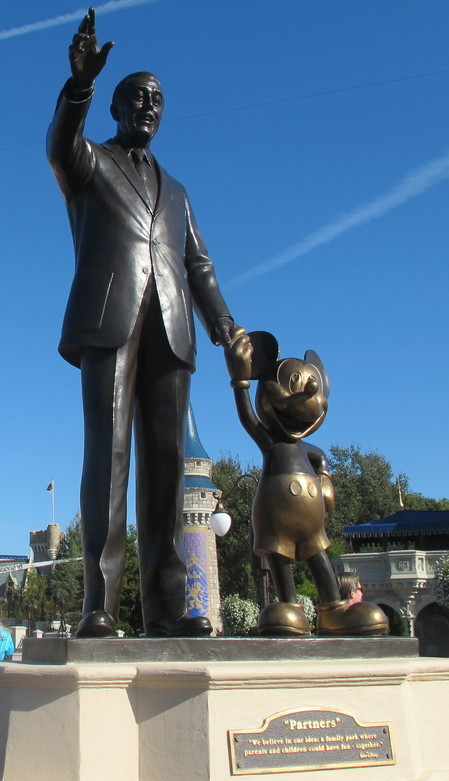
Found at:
(311, 386)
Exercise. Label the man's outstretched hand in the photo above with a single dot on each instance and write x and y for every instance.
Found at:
(226, 331)
(238, 360)
(86, 57)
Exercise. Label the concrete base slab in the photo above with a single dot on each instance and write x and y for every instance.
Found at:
(62, 650)
(153, 721)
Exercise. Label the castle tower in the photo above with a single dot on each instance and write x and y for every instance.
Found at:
(45, 543)
(203, 595)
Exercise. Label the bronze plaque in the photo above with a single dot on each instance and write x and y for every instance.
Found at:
(315, 739)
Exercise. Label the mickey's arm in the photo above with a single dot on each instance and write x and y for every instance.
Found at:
(238, 361)
(321, 466)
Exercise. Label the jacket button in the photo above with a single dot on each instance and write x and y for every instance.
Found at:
(155, 241)
(145, 270)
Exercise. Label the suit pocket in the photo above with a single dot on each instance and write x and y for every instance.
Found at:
(189, 320)
(87, 300)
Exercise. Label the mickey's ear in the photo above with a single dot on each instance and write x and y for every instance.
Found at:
(312, 357)
(265, 352)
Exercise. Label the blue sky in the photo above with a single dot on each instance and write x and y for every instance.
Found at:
(313, 141)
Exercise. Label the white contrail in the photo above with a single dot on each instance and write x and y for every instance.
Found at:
(73, 16)
(416, 182)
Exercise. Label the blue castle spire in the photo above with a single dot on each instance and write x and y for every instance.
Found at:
(195, 450)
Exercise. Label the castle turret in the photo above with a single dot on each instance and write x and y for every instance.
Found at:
(203, 595)
(45, 543)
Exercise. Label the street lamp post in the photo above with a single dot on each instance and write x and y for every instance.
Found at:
(221, 520)
(62, 629)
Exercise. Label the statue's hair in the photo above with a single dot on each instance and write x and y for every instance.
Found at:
(122, 85)
(347, 582)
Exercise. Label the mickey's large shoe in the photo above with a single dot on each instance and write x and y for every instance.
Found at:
(341, 619)
(283, 619)
(184, 626)
(98, 623)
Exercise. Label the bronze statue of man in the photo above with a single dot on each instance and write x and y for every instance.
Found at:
(140, 266)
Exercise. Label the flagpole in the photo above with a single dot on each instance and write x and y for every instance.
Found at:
(401, 502)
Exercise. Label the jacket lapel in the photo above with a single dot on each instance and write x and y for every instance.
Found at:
(121, 159)
(164, 187)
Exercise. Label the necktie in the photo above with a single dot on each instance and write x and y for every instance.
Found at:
(147, 174)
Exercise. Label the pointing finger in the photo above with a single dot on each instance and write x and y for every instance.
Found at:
(91, 16)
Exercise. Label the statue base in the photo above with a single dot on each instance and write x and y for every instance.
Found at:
(69, 650)
(160, 720)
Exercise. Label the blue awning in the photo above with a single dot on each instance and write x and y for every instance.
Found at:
(401, 524)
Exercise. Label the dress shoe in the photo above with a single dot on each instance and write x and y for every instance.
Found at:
(98, 623)
(184, 626)
(341, 619)
(283, 619)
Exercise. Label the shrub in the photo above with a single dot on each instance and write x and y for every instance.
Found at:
(309, 608)
(239, 616)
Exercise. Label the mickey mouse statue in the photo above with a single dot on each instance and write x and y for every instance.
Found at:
(295, 489)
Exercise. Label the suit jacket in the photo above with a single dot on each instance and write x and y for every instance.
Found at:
(118, 240)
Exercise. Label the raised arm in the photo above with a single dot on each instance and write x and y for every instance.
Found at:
(69, 154)
(87, 60)
(238, 360)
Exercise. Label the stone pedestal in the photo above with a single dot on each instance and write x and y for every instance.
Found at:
(170, 720)
(18, 635)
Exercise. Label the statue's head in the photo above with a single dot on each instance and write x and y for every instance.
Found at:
(291, 397)
(137, 105)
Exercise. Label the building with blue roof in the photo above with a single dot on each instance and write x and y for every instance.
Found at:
(422, 529)
(395, 558)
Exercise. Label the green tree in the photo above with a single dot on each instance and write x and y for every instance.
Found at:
(304, 583)
(415, 501)
(235, 560)
(364, 488)
(130, 616)
(36, 602)
(66, 580)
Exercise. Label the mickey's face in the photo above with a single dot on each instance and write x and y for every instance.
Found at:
(293, 400)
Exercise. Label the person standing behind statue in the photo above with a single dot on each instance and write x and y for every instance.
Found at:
(140, 266)
(350, 587)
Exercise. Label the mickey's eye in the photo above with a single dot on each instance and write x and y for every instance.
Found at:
(295, 382)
